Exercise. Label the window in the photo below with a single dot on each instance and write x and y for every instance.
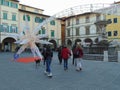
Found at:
(98, 17)
(77, 31)
(37, 20)
(115, 20)
(68, 23)
(5, 28)
(109, 21)
(115, 33)
(14, 5)
(52, 22)
(6, 3)
(92, 31)
(109, 33)
(97, 30)
(42, 31)
(40, 20)
(77, 20)
(82, 30)
(1, 28)
(0, 2)
(68, 32)
(5, 15)
(23, 8)
(39, 32)
(52, 33)
(87, 19)
(14, 17)
(28, 17)
(87, 30)
(13, 29)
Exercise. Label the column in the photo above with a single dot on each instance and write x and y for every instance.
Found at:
(105, 56)
(118, 56)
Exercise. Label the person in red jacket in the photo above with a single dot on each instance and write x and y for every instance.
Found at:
(65, 53)
(78, 52)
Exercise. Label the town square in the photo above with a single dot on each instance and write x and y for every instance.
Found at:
(77, 48)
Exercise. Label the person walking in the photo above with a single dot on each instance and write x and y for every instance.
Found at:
(44, 54)
(78, 54)
(59, 55)
(49, 55)
(65, 53)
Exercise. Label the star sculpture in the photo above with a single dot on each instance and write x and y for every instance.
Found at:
(27, 39)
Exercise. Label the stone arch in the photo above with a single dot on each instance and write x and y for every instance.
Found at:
(8, 44)
(88, 41)
(96, 40)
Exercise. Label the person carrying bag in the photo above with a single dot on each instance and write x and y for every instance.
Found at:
(78, 54)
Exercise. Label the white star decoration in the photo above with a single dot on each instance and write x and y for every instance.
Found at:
(27, 39)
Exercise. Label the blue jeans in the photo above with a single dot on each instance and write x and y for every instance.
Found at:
(48, 63)
(65, 63)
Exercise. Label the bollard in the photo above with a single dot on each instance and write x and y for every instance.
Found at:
(105, 56)
(118, 56)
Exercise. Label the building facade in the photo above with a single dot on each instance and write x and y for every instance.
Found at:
(113, 28)
(36, 17)
(8, 23)
(85, 28)
(82, 28)
(12, 20)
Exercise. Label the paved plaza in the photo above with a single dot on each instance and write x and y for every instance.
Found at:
(96, 75)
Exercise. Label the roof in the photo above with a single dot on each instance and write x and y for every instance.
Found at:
(86, 13)
(33, 13)
(31, 7)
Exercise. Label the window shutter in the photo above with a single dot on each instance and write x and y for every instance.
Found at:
(24, 17)
(10, 29)
(1, 28)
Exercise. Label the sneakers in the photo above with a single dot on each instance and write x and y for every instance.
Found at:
(49, 74)
(78, 69)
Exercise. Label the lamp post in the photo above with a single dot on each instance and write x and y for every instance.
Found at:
(72, 25)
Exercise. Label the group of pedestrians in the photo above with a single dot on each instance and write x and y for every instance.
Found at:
(64, 53)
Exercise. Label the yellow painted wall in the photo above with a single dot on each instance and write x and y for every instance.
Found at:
(9, 11)
(113, 27)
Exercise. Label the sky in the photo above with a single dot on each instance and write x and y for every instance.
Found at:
(52, 7)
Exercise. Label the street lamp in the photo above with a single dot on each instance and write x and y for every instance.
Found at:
(72, 24)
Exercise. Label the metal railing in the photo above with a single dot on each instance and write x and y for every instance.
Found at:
(97, 53)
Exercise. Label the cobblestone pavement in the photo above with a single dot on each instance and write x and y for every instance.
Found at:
(96, 75)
